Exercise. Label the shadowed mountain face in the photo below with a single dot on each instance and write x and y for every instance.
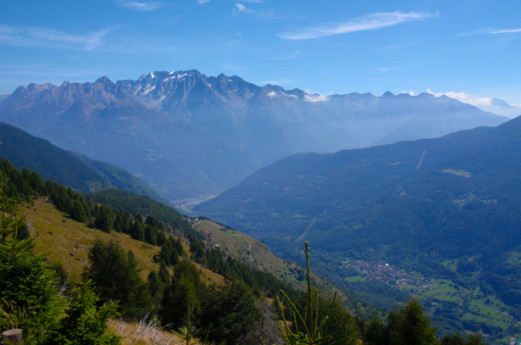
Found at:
(187, 134)
(68, 168)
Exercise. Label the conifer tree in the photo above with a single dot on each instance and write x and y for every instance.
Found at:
(116, 276)
(28, 296)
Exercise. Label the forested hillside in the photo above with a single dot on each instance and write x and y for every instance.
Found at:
(232, 311)
(415, 217)
(115, 275)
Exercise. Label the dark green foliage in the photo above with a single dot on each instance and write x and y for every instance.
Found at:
(29, 297)
(340, 324)
(164, 276)
(155, 287)
(128, 202)
(183, 295)
(229, 313)
(85, 323)
(77, 211)
(104, 219)
(226, 314)
(171, 251)
(404, 326)
(475, 339)
(230, 268)
(409, 325)
(22, 232)
(374, 332)
(315, 321)
(456, 339)
(116, 276)
(180, 299)
(61, 275)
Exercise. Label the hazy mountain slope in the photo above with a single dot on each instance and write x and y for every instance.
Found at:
(447, 208)
(188, 134)
(67, 168)
(479, 168)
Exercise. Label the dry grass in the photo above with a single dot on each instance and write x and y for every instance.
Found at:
(145, 332)
(210, 277)
(248, 250)
(67, 242)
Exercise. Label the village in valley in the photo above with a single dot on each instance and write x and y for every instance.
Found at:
(384, 272)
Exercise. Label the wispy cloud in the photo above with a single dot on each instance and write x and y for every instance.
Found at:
(373, 21)
(491, 31)
(241, 8)
(262, 14)
(43, 37)
(507, 31)
(200, 2)
(144, 6)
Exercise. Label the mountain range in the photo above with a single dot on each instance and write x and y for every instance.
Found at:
(187, 134)
(446, 209)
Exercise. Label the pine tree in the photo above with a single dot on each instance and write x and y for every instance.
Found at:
(28, 296)
(85, 323)
(116, 276)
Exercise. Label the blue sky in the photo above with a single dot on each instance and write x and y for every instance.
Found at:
(471, 49)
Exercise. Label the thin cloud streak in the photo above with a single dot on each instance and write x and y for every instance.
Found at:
(43, 37)
(373, 21)
(140, 5)
(491, 31)
(507, 31)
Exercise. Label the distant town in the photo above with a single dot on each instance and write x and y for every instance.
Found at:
(385, 272)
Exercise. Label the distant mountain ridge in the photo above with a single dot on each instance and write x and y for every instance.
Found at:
(68, 168)
(188, 134)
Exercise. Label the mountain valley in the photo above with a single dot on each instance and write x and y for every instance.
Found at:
(399, 219)
(444, 210)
